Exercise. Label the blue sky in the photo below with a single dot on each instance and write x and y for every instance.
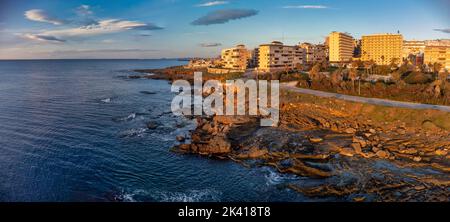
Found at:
(36, 29)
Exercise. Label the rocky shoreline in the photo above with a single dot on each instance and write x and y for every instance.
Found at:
(344, 150)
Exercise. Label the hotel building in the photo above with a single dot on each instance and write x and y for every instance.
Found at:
(314, 53)
(277, 57)
(235, 58)
(437, 54)
(341, 46)
(413, 48)
(382, 48)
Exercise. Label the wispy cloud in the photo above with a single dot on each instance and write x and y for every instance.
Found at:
(104, 53)
(212, 3)
(207, 45)
(305, 7)
(103, 27)
(41, 16)
(84, 10)
(224, 16)
(443, 30)
(42, 38)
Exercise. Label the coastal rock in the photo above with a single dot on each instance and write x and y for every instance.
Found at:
(216, 146)
(382, 154)
(152, 125)
(180, 138)
(350, 130)
(357, 148)
(347, 152)
(441, 152)
(316, 140)
(409, 151)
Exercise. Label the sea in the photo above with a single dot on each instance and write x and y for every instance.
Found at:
(76, 131)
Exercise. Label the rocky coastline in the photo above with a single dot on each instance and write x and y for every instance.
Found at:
(345, 150)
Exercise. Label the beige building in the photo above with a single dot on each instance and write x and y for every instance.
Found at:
(341, 46)
(276, 57)
(413, 47)
(235, 58)
(314, 53)
(437, 54)
(383, 49)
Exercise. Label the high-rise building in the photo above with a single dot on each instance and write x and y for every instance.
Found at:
(235, 58)
(437, 54)
(413, 48)
(341, 47)
(254, 58)
(383, 49)
(276, 57)
(314, 53)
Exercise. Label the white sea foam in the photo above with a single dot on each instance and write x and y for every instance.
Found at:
(133, 132)
(107, 100)
(204, 195)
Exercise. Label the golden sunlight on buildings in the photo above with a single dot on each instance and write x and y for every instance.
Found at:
(383, 49)
(341, 46)
(276, 57)
(437, 54)
(235, 58)
(314, 53)
(413, 47)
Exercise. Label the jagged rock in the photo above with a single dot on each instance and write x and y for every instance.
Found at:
(347, 152)
(356, 147)
(401, 131)
(372, 131)
(184, 147)
(350, 130)
(409, 151)
(152, 125)
(215, 146)
(360, 141)
(180, 138)
(441, 152)
(316, 140)
(382, 154)
(417, 159)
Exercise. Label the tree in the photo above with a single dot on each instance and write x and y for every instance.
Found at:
(314, 74)
(336, 77)
(299, 66)
(353, 75)
(437, 67)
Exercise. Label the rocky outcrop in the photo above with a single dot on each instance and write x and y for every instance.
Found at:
(325, 141)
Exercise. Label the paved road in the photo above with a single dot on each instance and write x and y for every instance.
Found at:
(384, 102)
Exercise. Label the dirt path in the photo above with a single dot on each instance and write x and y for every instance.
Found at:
(375, 101)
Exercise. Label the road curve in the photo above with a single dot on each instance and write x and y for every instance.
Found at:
(291, 86)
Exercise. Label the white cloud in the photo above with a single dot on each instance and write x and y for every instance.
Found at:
(306, 7)
(103, 27)
(84, 10)
(42, 38)
(41, 16)
(212, 3)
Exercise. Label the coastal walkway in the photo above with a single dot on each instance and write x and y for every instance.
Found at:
(291, 86)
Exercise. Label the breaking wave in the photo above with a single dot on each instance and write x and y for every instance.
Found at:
(205, 195)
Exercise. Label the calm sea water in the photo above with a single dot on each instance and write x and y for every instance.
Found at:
(75, 130)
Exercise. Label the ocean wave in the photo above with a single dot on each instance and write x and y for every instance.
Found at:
(275, 178)
(107, 100)
(126, 118)
(133, 132)
(205, 195)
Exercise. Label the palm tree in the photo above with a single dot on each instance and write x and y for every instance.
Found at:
(353, 75)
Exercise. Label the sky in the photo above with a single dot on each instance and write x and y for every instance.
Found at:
(150, 29)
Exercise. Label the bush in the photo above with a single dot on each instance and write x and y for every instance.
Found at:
(417, 78)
